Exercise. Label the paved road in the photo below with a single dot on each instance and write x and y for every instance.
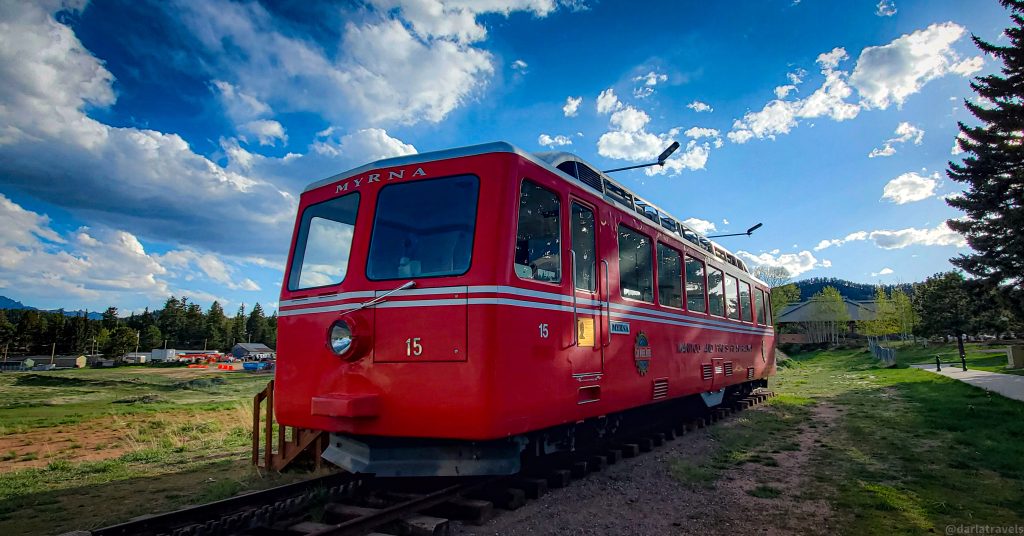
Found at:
(1008, 385)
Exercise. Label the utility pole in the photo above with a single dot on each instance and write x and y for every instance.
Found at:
(138, 336)
(53, 352)
(204, 344)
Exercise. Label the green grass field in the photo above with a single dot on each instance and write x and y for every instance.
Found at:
(896, 451)
(91, 447)
(906, 452)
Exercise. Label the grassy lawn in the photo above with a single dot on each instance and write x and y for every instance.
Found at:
(906, 451)
(980, 356)
(131, 440)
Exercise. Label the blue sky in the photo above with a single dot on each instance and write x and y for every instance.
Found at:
(151, 148)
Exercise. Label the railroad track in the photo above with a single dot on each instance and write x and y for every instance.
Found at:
(345, 504)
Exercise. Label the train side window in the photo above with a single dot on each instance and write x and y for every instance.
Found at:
(538, 239)
(695, 286)
(745, 312)
(670, 277)
(716, 294)
(732, 299)
(636, 272)
(759, 306)
(583, 244)
(768, 307)
(323, 243)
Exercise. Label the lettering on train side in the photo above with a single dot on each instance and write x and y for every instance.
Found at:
(356, 182)
(709, 348)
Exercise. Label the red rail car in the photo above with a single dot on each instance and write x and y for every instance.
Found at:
(443, 313)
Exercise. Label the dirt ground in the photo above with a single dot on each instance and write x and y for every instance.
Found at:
(640, 496)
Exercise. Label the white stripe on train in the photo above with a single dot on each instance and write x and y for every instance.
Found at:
(530, 305)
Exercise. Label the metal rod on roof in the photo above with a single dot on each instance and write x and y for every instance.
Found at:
(661, 159)
(748, 233)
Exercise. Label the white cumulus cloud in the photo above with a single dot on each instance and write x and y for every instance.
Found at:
(885, 8)
(910, 187)
(890, 73)
(794, 263)
(904, 132)
(149, 181)
(699, 225)
(572, 106)
(940, 235)
(552, 141)
(883, 75)
(396, 61)
(607, 102)
(883, 271)
(699, 106)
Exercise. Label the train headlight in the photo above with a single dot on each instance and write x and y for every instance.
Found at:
(340, 339)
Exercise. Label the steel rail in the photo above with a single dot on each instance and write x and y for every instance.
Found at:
(219, 510)
(364, 524)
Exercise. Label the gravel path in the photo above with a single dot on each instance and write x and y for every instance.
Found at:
(640, 496)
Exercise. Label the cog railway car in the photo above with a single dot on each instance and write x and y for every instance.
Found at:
(449, 313)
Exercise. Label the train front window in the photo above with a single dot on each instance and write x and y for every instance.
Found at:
(324, 243)
(423, 229)
(538, 239)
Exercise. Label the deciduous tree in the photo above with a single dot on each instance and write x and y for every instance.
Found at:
(774, 276)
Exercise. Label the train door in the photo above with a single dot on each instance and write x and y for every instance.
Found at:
(587, 351)
(718, 369)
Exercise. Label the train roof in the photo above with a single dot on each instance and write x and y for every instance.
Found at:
(573, 168)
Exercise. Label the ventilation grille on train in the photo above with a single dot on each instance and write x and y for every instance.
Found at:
(750, 373)
(728, 369)
(660, 388)
(583, 173)
(706, 372)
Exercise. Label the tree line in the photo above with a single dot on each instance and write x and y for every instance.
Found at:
(946, 304)
(180, 324)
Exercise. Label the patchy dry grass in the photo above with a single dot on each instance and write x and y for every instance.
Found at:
(135, 440)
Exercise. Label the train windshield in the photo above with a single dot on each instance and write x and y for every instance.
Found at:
(323, 244)
(423, 229)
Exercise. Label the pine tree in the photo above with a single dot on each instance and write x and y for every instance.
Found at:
(150, 338)
(172, 320)
(195, 326)
(216, 327)
(993, 170)
(110, 318)
(271, 338)
(238, 327)
(257, 324)
(6, 329)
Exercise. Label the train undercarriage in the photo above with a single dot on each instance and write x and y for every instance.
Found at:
(406, 457)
